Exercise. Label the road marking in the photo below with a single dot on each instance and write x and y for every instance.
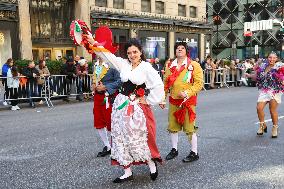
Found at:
(269, 120)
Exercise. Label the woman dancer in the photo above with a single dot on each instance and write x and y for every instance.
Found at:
(269, 77)
(133, 127)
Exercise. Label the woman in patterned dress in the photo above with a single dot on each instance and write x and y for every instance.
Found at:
(269, 77)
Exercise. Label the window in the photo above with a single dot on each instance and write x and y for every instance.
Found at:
(146, 6)
(160, 7)
(101, 3)
(181, 10)
(192, 12)
(118, 4)
(50, 20)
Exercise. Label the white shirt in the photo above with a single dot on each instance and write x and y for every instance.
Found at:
(143, 73)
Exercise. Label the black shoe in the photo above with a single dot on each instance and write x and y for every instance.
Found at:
(191, 157)
(119, 180)
(172, 154)
(154, 175)
(104, 153)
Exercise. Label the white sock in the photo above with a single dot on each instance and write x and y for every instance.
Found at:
(174, 138)
(103, 134)
(152, 166)
(194, 143)
(127, 173)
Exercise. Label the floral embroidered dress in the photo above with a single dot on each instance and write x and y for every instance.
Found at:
(133, 127)
(270, 83)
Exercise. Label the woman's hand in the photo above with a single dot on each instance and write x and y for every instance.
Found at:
(89, 38)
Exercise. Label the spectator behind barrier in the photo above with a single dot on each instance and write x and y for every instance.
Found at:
(69, 69)
(44, 78)
(5, 69)
(82, 73)
(13, 86)
(32, 88)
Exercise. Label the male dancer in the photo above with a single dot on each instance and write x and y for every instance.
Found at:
(184, 79)
(106, 82)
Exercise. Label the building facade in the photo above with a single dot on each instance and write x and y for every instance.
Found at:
(9, 39)
(39, 29)
(246, 28)
(157, 23)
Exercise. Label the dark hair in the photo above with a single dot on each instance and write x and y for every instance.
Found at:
(9, 60)
(40, 64)
(14, 71)
(136, 43)
(274, 53)
(181, 44)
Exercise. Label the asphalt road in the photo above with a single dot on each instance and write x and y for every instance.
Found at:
(57, 148)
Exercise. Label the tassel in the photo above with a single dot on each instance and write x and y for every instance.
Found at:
(180, 116)
(107, 103)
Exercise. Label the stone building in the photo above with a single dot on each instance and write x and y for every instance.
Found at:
(157, 23)
(9, 38)
(36, 29)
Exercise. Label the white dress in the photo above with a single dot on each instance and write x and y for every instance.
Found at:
(129, 132)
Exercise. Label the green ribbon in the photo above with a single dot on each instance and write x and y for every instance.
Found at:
(125, 103)
(186, 76)
(77, 27)
(104, 101)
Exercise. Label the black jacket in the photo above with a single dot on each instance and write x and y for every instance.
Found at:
(69, 70)
(28, 72)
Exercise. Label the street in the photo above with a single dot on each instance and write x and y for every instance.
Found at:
(57, 148)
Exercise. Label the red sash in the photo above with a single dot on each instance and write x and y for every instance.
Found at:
(180, 114)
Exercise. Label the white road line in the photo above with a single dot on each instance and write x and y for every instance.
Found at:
(269, 120)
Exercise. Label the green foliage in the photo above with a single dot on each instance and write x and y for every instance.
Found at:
(54, 66)
(21, 64)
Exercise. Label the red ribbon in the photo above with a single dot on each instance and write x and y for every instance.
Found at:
(180, 114)
(130, 110)
(175, 73)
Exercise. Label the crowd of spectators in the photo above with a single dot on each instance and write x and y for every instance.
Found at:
(31, 82)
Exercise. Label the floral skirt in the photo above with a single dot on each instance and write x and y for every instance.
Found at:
(133, 132)
(267, 96)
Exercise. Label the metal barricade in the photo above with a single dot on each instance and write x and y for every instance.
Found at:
(28, 90)
(219, 76)
(64, 85)
(223, 76)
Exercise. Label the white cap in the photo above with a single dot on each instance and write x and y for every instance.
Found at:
(82, 62)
